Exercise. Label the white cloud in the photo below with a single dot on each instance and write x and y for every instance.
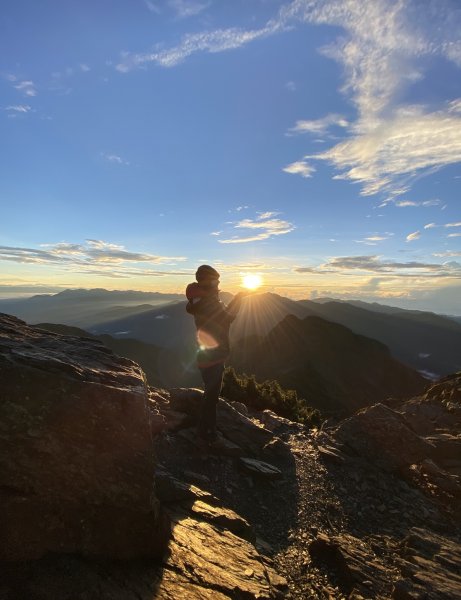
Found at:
(300, 167)
(270, 227)
(404, 203)
(92, 257)
(187, 8)
(425, 203)
(18, 109)
(430, 226)
(319, 126)
(212, 42)
(458, 224)
(114, 158)
(27, 88)
(267, 215)
(448, 253)
(413, 236)
(377, 238)
(375, 264)
(452, 235)
(381, 54)
(398, 147)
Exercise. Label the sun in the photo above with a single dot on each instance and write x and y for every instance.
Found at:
(252, 281)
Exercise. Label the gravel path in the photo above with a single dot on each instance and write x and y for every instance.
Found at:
(370, 512)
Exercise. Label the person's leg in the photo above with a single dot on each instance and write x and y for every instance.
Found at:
(212, 380)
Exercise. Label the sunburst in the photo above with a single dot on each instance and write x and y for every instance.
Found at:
(252, 281)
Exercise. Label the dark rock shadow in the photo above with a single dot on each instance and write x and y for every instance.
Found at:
(71, 577)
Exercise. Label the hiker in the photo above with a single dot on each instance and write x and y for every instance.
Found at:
(212, 320)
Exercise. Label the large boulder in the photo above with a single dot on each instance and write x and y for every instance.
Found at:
(76, 453)
(382, 435)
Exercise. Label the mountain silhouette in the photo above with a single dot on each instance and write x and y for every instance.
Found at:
(329, 365)
(425, 341)
(83, 308)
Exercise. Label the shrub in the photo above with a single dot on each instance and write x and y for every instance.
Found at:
(268, 394)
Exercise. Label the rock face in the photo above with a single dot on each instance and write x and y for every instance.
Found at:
(76, 454)
(419, 438)
(382, 435)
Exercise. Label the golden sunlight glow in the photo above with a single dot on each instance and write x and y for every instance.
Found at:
(252, 281)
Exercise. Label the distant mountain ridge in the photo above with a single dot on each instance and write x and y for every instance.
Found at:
(83, 308)
(425, 341)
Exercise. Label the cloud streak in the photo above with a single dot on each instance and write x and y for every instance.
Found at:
(92, 257)
(369, 264)
(27, 88)
(210, 42)
(411, 237)
(114, 158)
(300, 167)
(264, 226)
(319, 126)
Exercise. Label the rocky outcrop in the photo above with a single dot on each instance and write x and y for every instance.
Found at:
(76, 456)
(430, 565)
(365, 509)
(419, 438)
(382, 435)
(77, 482)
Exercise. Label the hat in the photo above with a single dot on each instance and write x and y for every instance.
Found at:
(205, 272)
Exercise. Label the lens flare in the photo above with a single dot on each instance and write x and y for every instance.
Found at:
(252, 281)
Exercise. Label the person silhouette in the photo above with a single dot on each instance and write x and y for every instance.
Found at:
(212, 320)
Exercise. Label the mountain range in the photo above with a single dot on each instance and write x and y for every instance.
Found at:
(337, 354)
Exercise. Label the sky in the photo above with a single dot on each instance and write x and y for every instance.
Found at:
(314, 142)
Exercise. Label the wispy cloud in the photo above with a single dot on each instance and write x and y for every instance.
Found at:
(448, 253)
(18, 110)
(264, 222)
(319, 126)
(413, 203)
(381, 49)
(390, 144)
(111, 260)
(457, 224)
(374, 239)
(26, 87)
(114, 158)
(187, 8)
(212, 42)
(375, 264)
(413, 236)
(453, 235)
(300, 167)
(430, 226)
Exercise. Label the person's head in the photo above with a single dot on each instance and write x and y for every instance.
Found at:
(207, 277)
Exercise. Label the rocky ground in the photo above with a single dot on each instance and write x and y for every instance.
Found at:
(105, 494)
(332, 523)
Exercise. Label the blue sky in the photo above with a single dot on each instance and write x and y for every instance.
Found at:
(316, 142)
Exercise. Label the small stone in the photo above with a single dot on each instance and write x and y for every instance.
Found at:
(249, 572)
